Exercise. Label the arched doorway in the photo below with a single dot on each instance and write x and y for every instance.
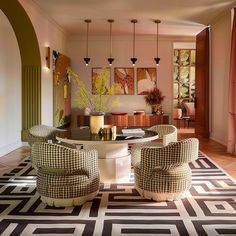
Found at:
(31, 63)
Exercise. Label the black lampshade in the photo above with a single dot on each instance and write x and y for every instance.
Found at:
(87, 60)
(133, 59)
(110, 60)
(157, 60)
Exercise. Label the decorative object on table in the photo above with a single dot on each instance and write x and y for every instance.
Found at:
(108, 132)
(125, 78)
(119, 113)
(96, 122)
(61, 90)
(139, 112)
(96, 75)
(99, 103)
(154, 99)
(146, 80)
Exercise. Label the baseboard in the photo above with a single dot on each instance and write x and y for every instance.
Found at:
(9, 148)
(218, 141)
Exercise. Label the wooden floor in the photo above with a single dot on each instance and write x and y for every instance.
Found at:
(212, 149)
(215, 151)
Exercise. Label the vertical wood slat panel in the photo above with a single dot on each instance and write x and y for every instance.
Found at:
(31, 98)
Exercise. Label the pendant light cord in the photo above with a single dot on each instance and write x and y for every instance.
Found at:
(110, 38)
(157, 39)
(87, 21)
(87, 39)
(134, 34)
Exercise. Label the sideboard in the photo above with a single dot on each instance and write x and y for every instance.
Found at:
(128, 120)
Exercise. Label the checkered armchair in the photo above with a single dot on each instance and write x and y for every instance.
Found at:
(168, 133)
(65, 176)
(42, 133)
(163, 173)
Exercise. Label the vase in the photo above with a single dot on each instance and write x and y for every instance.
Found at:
(96, 122)
(157, 109)
(177, 113)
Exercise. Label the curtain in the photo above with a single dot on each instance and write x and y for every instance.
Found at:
(231, 146)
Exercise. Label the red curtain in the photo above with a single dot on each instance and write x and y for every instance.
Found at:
(231, 146)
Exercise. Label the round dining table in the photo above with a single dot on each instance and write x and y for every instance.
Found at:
(114, 157)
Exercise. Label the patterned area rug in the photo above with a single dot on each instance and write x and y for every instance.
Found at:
(210, 208)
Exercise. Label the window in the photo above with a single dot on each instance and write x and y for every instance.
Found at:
(183, 76)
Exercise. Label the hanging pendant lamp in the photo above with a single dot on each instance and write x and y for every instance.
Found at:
(133, 59)
(87, 59)
(110, 58)
(157, 59)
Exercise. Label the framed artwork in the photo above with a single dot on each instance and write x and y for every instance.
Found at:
(95, 72)
(146, 80)
(124, 76)
(61, 90)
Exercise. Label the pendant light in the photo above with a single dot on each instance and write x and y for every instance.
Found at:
(87, 59)
(110, 58)
(157, 59)
(133, 59)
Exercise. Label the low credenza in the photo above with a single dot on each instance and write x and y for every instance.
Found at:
(128, 120)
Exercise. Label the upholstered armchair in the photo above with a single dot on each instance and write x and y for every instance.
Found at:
(41, 133)
(163, 173)
(65, 176)
(167, 134)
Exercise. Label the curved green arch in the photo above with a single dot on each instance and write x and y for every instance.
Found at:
(31, 63)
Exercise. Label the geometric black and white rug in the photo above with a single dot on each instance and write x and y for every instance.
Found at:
(210, 208)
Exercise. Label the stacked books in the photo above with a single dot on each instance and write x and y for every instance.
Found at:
(133, 132)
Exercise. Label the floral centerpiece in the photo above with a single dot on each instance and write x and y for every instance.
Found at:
(100, 102)
(154, 99)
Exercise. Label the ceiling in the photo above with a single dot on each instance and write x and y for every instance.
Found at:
(179, 17)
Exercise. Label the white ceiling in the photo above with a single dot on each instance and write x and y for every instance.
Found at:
(179, 17)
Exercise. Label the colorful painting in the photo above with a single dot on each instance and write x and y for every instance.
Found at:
(61, 90)
(125, 78)
(146, 80)
(95, 72)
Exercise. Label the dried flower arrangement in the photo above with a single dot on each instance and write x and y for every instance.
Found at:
(154, 97)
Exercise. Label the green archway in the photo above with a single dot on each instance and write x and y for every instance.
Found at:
(31, 63)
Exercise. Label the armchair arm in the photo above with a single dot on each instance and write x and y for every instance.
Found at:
(136, 150)
(168, 138)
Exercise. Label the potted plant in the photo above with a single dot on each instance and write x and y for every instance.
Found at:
(98, 103)
(154, 99)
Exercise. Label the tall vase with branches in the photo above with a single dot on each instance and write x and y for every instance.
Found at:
(100, 102)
